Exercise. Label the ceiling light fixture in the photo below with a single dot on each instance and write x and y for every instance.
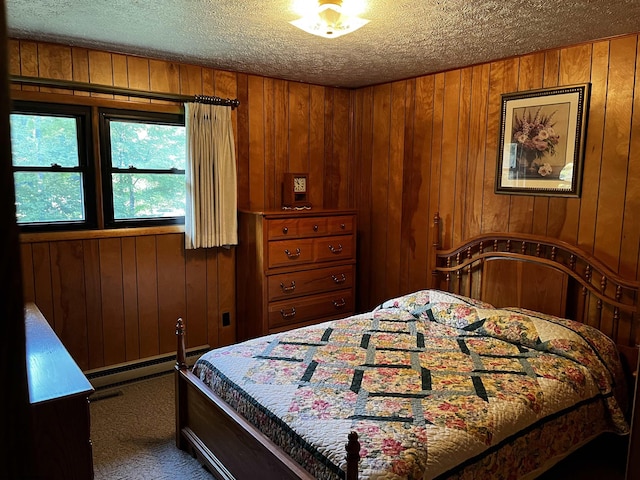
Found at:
(329, 18)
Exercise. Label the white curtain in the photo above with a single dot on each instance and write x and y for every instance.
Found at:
(211, 215)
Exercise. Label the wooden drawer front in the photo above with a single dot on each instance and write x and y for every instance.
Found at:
(288, 285)
(340, 224)
(297, 227)
(282, 228)
(283, 253)
(340, 247)
(290, 252)
(296, 310)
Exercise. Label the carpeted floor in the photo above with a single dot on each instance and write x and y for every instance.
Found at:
(133, 431)
(132, 428)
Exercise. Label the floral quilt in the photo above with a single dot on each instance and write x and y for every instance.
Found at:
(436, 385)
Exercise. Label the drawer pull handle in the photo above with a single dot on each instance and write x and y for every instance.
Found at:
(292, 255)
(336, 250)
(341, 279)
(339, 303)
(290, 288)
(315, 228)
(291, 314)
(342, 226)
(285, 230)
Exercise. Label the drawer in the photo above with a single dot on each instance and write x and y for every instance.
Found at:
(339, 247)
(318, 280)
(341, 224)
(283, 228)
(286, 253)
(296, 227)
(296, 310)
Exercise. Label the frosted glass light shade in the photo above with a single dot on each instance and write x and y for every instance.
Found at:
(329, 20)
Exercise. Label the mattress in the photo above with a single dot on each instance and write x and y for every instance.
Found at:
(436, 386)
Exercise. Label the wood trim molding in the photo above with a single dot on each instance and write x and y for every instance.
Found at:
(91, 234)
(133, 103)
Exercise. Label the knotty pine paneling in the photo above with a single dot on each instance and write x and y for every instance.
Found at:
(129, 291)
(451, 123)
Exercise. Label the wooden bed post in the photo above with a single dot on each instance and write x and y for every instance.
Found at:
(181, 404)
(353, 456)
(181, 354)
(436, 247)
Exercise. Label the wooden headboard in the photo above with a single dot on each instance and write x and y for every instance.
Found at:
(542, 274)
(550, 276)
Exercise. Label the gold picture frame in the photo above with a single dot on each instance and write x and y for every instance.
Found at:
(542, 138)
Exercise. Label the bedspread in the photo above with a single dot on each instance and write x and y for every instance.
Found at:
(436, 385)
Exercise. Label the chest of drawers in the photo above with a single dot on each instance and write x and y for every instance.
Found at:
(59, 404)
(294, 269)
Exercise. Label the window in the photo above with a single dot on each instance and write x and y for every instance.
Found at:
(52, 175)
(143, 165)
(57, 179)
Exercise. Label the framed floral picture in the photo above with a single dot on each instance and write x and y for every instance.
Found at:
(542, 136)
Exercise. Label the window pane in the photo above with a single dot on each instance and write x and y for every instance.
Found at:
(49, 197)
(147, 145)
(147, 195)
(39, 140)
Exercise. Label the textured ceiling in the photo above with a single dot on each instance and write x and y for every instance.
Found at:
(403, 39)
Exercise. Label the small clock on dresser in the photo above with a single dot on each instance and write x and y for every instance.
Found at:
(295, 190)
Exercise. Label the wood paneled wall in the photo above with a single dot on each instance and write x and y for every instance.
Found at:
(115, 299)
(397, 152)
(429, 144)
(293, 127)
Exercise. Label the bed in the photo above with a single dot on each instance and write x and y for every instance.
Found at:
(479, 376)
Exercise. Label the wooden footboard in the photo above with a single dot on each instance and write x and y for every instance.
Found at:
(223, 441)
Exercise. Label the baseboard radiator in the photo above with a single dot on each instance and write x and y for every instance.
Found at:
(138, 369)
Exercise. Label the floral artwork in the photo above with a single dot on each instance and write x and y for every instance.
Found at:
(536, 139)
(542, 135)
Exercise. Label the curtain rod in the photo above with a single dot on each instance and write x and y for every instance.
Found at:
(93, 88)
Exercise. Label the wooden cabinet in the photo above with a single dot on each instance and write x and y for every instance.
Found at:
(59, 402)
(295, 268)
